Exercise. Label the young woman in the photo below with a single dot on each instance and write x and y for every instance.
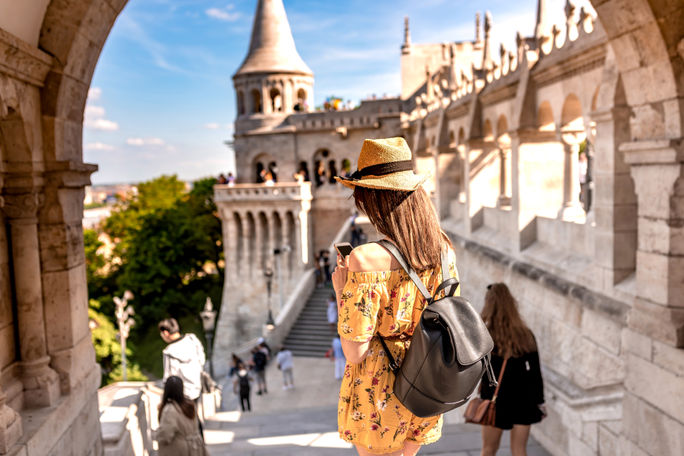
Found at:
(178, 433)
(520, 402)
(377, 298)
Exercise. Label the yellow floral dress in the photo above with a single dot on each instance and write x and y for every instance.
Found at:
(386, 303)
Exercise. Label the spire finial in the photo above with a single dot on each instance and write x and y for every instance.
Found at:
(478, 29)
(543, 25)
(487, 62)
(407, 33)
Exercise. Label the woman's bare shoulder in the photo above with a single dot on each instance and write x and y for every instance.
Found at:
(369, 257)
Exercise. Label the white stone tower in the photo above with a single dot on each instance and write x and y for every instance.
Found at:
(273, 80)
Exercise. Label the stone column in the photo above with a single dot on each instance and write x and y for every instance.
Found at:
(247, 255)
(258, 246)
(271, 245)
(657, 168)
(466, 188)
(572, 208)
(10, 425)
(287, 255)
(300, 240)
(504, 199)
(266, 99)
(230, 245)
(41, 382)
(462, 155)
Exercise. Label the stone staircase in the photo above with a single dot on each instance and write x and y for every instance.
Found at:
(311, 334)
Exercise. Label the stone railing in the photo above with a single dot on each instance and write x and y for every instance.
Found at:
(261, 192)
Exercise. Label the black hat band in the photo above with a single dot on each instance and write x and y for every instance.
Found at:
(383, 169)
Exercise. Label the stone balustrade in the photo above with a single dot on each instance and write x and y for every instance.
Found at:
(262, 193)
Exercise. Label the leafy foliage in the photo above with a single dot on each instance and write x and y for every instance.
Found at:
(167, 251)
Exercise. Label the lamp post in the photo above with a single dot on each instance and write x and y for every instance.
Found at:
(123, 317)
(268, 275)
(208, 316)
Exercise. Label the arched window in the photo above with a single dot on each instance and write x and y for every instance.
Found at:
(276, 100)
(304, 169)
(346, 167)
(332, 171)
(273, 171)
(259, 170)
(256, 101)
(301, 104)
(241, 102)
(320, 172)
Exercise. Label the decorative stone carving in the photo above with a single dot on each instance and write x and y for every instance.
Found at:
(10, 425)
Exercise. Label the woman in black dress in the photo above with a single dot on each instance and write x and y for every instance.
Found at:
(520, 402)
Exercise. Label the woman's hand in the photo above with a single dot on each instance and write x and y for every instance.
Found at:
(339, 275)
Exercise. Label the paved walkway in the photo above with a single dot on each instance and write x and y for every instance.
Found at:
(303, 421)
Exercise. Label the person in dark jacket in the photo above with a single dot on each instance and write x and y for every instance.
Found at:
(520, 402)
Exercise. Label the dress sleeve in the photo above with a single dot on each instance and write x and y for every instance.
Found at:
(359, 306)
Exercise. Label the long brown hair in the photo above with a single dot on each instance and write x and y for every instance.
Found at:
(511, 335)
(408, 219)
(173, 392)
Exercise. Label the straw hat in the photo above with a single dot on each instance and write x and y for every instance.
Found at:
(385, 164)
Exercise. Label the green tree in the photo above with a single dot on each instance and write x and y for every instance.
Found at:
(167, 252)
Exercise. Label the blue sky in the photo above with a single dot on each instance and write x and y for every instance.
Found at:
(162, 99)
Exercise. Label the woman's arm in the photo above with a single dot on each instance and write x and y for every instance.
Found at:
(358, 260)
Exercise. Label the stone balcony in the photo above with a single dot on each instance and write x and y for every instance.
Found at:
(286, 191)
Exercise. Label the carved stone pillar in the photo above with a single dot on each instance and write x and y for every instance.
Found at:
(10, 425)
(247, 266)
(285, 241)
(230, 246)
(572, 208)
(270, 223)
(657, 168)
(41, 383)
(300, 240)
(462, 155)
(504, 199)
(259, 258)
(266, 99)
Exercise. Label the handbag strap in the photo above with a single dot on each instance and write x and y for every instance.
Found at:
(503, 368)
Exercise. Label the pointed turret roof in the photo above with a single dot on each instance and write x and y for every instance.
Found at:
(272, 48)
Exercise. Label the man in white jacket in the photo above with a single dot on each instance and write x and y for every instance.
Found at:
(183, 356)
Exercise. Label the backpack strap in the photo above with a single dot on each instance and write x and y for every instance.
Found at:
(394, 251)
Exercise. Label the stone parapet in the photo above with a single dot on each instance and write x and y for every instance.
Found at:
(248, 193)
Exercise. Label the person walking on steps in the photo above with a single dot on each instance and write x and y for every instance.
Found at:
(286, 366)
(259, 360)
(377, 299)
(520, 400)
(242, 386)
(178, 433)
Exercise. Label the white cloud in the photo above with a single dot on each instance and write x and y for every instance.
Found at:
(94, 116)
(94, 93)
(223, 14)
(101, 124)
(211, 126)
(98, 146)
(94, 112)
(145, 142)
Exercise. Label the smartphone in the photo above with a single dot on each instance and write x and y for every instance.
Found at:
(344, 248)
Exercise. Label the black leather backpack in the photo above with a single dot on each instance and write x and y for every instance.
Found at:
(449, 351)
